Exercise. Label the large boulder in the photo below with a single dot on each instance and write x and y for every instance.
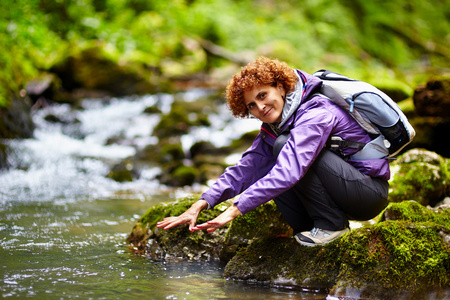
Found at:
(406, 254)
(94, 69)
(407, 258)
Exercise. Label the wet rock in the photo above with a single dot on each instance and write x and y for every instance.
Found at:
(3, 156)
(420, 175)
(403, 258)
(152, 110)
(147, 240)
(15, 120)
(180, 176)
(181, 118)
(433, 99)
(179, 242)
(122, 172)
(209, 160)
(263, 222)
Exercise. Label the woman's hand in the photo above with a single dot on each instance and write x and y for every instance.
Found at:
(222, 219)
(188, 217)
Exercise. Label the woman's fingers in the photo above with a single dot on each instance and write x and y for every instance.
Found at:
(170, 222)
(210, 226)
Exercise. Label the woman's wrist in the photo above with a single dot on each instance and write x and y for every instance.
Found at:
(234, 211)
(200, 205)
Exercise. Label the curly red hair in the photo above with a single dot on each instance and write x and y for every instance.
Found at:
(263, 71)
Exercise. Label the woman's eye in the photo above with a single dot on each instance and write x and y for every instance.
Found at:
(262, 95)
(251, 105)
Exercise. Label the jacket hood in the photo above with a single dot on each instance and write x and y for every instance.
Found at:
(306, 86)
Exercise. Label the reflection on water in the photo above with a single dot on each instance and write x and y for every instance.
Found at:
(63, 224)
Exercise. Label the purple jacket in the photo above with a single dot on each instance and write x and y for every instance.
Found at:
(260, 177)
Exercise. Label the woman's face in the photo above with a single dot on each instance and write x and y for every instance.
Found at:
(265, 102)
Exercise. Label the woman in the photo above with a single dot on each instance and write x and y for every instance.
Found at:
(316, 190)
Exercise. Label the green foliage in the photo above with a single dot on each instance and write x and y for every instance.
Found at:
(365, 39)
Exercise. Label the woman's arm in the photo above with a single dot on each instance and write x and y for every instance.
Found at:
(254, 164)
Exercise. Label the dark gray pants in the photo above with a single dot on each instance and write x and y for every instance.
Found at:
(331, 193)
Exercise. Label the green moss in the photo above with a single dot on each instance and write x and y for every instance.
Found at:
(178, 241)
(184, 175)
(412, 211)
(419, 175)
(250, 226)
(182, 116)
(395, 254)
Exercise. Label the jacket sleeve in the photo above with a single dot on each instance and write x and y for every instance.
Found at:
(308, 137)
(253, 165)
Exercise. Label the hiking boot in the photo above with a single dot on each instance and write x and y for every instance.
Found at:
(318, 236)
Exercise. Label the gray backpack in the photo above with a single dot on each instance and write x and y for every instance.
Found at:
(376, 112)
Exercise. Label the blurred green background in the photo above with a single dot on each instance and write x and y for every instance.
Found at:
(392, 42)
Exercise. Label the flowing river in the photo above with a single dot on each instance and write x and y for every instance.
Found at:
(63, 223)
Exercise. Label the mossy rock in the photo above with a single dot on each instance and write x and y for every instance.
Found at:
(263, 222)
(183, 116)
(419, 175)
(168, 150)
(123, 171)
(147, 240)
(412, 211)
(176, 243)
(175, 123)
(93, 68)
(386, 260)
(182, 176)
(152, 110)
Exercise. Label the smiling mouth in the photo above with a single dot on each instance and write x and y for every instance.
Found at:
(265, 114)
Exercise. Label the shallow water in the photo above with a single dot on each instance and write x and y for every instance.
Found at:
(63, 224)
(78, 249)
